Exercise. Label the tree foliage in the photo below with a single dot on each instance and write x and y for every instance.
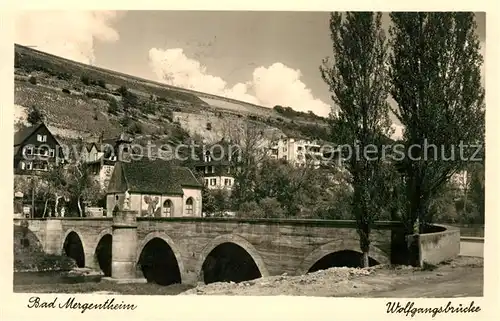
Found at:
(248, 145)
(35, 116)
(436, 83)
(357, 79)
(73, 182)
(286, 191)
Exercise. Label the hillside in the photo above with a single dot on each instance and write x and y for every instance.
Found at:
(84, 101)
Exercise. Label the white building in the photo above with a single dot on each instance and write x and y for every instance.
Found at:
(297, 151)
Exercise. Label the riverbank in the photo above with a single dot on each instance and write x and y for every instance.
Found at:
(54, 282)
(458, 278)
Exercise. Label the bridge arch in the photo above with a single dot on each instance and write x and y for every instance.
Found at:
(339, 246)
(101, 253)
(234, 240)
(151, 237)
(73, 246)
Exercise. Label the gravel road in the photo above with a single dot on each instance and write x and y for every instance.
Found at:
(459, 278)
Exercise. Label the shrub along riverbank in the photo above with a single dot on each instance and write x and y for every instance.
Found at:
(30, 257)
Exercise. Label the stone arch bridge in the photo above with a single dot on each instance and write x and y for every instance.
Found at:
(189, 250)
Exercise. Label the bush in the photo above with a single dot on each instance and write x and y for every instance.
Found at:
(35, 116)
(148, 107)
(169, 115)
(113, 106)
(101, 83)
(129, 100)
(96, 95)
(135, 128)
(271, 207)
(66, 91)
(179, 134)
(32, 80)
(40, 262)
(125, 121)
(122, 91)
(250, 210)
(64, 76)
(85, 80)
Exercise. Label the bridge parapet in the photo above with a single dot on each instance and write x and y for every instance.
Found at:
(380, 225)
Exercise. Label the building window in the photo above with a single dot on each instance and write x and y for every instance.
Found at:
(29, 166)
(52, 153)
(206, 181)
(22, 165)
(284, 149)
(38, 166)
(41, 138)
(299, 148)
(208, 158)
(213, 169)
(43, 151)
(229, 170)
(213, 181)
(28, 150)
(167, 205)
(227, 182)
(189, 206)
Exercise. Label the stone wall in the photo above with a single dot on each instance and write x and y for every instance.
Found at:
(29, 252)
(440, 246)
(276, 246)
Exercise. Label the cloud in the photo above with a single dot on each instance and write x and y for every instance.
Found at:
(69, 34)
(276, 84)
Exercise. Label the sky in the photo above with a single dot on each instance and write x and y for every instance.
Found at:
(266, 58)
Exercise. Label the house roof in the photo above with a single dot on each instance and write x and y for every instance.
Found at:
(104, 145)
(24, 133)
(221, 153)
(151, 176)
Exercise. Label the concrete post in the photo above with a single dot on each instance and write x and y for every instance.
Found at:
(124, 246)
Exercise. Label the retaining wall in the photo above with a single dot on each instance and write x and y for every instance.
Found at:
(440, 246)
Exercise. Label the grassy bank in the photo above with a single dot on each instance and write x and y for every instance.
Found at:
(26, 283)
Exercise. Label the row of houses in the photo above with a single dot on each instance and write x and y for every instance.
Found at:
(156, 188)
(213, 164)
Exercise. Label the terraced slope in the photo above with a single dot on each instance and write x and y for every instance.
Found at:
(82, 100)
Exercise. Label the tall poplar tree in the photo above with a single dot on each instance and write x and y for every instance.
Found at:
(357, 79)
(435, 65)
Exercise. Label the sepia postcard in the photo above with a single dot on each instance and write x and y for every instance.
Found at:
(235, 164)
